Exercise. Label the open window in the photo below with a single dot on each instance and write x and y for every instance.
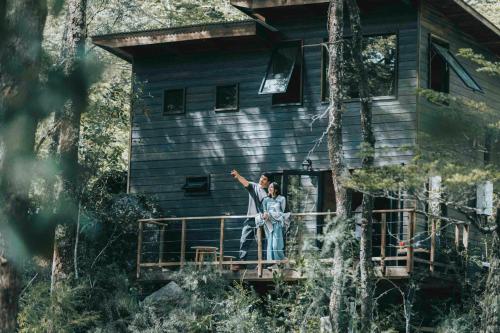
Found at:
(440, 62)
(174, 101)
(283, 78)
(379, 58)
(197, 185)
(226, 97)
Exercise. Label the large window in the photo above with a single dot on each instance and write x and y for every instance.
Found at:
(440, 62)
(380, 59)
(283, 78)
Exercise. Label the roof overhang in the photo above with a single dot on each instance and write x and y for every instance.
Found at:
(194, 38)
(471, 22)
(458, 11)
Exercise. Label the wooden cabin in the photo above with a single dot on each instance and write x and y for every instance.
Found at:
(242, 95)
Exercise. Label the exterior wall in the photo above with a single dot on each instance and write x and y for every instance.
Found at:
(258, 137)
(434, 22)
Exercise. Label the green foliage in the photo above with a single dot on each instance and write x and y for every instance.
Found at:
(64, 310)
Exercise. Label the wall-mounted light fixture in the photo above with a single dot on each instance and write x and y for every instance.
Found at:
(307, 165)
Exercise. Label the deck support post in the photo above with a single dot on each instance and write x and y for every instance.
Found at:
(221, 244)
(162, 242)
(383, 234)
(409, 252)
(139, 248)
(259, 251)
(183, 243)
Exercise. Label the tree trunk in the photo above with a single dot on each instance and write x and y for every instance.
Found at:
(365, 254)
(21, 27)
(69, 135)
(337, 163)
(491, 299)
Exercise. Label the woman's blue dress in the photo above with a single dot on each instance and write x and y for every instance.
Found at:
(274, 226)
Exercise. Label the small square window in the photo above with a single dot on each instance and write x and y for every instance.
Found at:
(173, 101)
(197, 185)
(226, 98)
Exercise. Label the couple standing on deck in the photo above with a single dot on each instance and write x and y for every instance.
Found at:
(268, 210)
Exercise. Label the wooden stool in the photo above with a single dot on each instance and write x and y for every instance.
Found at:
(200, 252)
(227, 258)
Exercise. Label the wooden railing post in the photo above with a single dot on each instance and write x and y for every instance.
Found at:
(433, 245)
(221, 244)
(409, 252)
(383, 234)
(139, 249)
(183, 243)
(162, 240)
(465, 236)
(259, 251)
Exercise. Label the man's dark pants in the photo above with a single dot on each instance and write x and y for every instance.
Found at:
(247, 236)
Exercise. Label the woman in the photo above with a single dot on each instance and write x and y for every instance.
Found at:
(275, 220)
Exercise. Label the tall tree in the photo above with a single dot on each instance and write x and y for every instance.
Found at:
(69, 135)
(22, 23)
(366, 281)
(337, 163)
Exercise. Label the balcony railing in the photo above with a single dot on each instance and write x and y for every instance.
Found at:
(399, 241)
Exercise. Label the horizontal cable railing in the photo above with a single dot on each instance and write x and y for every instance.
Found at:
(400, 240)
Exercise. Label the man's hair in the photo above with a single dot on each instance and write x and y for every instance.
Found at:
(267, 175)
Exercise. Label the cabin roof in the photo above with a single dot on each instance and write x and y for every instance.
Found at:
(180, 39)
(458, 11)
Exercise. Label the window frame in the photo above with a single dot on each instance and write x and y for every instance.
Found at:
(299, 59)
(223, 85)
(183, 111)
(433, 39)
(395, 96)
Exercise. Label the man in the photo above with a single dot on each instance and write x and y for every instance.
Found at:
(256, 193)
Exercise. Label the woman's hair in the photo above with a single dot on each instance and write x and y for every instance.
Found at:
(277, 189)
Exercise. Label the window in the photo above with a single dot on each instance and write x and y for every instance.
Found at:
(173, 101)
(197, 185)
(379, 58)
(440, 60)
(283, 78)
(226, 97)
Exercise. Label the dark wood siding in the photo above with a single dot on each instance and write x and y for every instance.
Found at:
(259, 137)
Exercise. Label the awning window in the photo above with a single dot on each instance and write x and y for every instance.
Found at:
(197, 185)
(280, 68)
(456, 66)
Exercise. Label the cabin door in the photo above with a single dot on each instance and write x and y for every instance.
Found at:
(302, 190)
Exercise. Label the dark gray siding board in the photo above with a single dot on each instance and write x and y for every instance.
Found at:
(258, 137)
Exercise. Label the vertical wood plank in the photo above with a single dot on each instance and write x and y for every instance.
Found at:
(221, 244)
(183, 243)
(433, 245)
(162, 242)
(139, 249)
(259, 251)
(457, 237)
(383, 235)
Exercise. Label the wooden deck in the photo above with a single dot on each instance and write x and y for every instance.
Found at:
(398, 257)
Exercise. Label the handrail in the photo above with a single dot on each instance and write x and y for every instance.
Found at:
(221, 262)
(233, 217)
